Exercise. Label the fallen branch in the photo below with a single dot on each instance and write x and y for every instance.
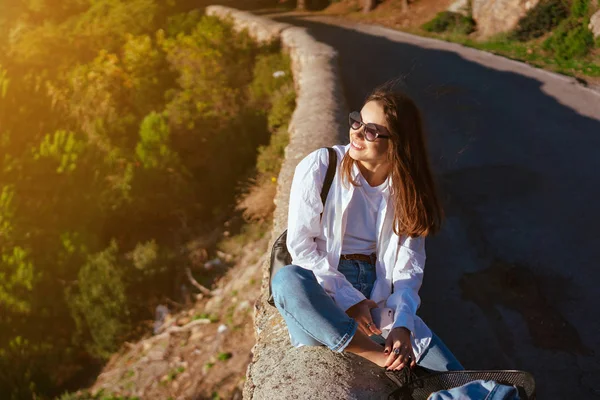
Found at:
(176, 329)
(195, 283)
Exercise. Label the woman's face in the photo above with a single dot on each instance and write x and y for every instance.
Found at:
(360, 148)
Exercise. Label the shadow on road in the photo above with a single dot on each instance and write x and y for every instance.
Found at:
(520, 177)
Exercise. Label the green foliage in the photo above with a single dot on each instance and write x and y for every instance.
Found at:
(541, 19)
(146, 259)
(209, 81)
(100, 304)
(148, 72)
(63, 148)
(7, 209)
(580, 8)
(20, 368)
(17, 276)
(211, 317)
(123, 132)
(270, 157)
(183, 23)
(106, 22)
(81, 31)
(283, 103)
(271, 73)
(153, 149)
(273, 85)
(224, 356)
(450, 22)
(572, 39)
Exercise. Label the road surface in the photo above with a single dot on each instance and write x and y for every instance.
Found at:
(513, 280)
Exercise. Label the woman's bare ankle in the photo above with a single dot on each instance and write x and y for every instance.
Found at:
(363, 346)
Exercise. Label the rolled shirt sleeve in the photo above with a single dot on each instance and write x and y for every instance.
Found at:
(304, 225)
(407, 278)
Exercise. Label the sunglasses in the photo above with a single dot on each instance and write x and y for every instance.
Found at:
(371, 132)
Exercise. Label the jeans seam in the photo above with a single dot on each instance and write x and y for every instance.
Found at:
(297, 322)
(343, 342)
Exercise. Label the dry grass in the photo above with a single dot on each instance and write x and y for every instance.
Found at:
(257, 203)
(389, 12)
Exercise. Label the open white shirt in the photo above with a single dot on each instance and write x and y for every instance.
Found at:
(316, 245)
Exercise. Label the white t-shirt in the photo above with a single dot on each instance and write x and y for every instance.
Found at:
(361, 225)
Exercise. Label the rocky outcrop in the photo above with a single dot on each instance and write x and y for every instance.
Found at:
(462, 7)
(595, 24)
(498, 16)
(279, 371)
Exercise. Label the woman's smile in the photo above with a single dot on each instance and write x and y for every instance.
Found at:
(356, 146)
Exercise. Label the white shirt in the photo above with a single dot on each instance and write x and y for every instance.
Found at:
(361, 231)
(316, 245)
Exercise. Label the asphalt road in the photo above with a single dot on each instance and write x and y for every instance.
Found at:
(513, 280)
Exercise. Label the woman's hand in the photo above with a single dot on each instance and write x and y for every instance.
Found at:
(361, 313)
(399, 338)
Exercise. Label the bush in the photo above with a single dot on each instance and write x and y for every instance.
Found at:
(183, 23)
(268, 77)
(450, 22)
(580, 8)
(283, 103)
(541, 19)
(100, 306)
(270, 157)
(571, 39)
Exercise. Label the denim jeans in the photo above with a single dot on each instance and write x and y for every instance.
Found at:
(479, 389)
(314, 319)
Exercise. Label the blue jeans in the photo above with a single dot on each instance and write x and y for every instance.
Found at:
(479, 389)
(314, 319)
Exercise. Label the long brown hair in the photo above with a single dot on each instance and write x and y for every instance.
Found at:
(417, 209)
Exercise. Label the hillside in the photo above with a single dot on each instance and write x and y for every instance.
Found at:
(202, 352)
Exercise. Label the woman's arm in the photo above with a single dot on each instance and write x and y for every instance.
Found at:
(304, 225)
(407, 278)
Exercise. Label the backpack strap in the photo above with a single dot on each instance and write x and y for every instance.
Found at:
(330, 174)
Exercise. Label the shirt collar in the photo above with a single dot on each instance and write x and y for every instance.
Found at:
(356, 172)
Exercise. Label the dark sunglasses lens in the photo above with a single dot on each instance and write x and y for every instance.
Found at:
(370, 133)
(355, 120)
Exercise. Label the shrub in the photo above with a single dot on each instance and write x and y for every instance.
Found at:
(450, 22)
(183, 23)
(100, 306)
(571, 39)
(283, 103)
(580, 8)
(270, 157)
(265, 83)
(541, 19)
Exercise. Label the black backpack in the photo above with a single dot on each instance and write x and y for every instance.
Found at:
(280, 257)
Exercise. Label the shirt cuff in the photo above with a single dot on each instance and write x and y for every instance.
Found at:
(405, 320)
(347, 297)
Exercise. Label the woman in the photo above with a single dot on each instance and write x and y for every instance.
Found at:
(367, 249)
